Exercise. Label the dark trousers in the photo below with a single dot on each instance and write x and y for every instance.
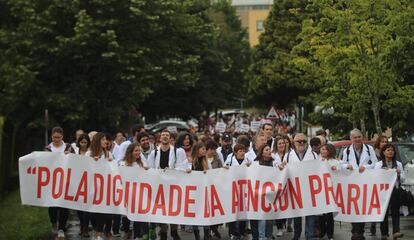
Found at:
(116, 223)
(83, 219)
(394, 206)
(139, 228)
(269, 228)
(358, 228)
(237, 228)
(280, 223)
(103, 222)
(327, 225)
(254, 226)
(60, 216)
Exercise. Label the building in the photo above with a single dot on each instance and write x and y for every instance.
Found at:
(252, 14)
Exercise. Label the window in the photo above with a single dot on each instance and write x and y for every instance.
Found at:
(259, 25)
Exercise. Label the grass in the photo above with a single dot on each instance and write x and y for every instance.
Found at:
(22, 222)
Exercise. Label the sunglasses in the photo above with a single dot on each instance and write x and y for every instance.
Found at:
(301, 141)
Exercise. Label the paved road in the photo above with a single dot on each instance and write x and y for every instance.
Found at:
(342, 231)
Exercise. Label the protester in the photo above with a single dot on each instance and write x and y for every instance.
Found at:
(301, 152)
(258, 141)
(167, 156)
(237, 229)
(199, 162)
(389, 162)
(315, 143)
(326, 221)
(98, 151)
(358, 156)
(226, 147)
(133, 158)
(185, 141)
(77, 134)
(268, 132)
(58, 216)
(213, 162)
(262, 229)
(278, 153)
(379, 143)
(238, 157)
(83, 145)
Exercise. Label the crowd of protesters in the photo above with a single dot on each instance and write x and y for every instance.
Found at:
(187, 151)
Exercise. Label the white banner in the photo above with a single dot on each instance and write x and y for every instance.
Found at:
(197, 198)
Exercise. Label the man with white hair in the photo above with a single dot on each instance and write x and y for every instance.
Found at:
(358, 156)
(301, 152)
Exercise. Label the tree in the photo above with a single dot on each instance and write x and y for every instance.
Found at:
(348, 48)
(90, 62)
(273, 78)
(224, 58)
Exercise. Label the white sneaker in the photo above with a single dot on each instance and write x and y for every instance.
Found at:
(279, 233)
(61, 235)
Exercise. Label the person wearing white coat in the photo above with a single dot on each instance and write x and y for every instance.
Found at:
(358, 156)
(166, 156)
(300, 152)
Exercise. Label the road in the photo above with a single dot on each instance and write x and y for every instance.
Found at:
(342, 231)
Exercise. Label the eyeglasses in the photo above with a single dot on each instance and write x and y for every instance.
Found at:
(301, 141)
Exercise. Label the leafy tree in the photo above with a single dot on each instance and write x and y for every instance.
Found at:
(90, 62)
(273, 78)
(348, 48)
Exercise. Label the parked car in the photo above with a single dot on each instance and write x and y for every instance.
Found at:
(158, 127)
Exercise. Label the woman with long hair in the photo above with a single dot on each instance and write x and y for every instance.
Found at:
(133, 158)
(185, 141)
(99, 152)
(58, 216)
(198, 159)
(328, 153)
(279, 151)
(379, 143)
(82, 146)
(262, 229)
(389, 162)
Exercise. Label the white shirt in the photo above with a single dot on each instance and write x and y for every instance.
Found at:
(368, 159)
(401, 179)
(334, 163)
(134, 164)
(250, 155)
(60, 149)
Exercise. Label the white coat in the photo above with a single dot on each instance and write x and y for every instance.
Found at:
(177, 160)
(232, 161)
(368, 159)
(292, 157)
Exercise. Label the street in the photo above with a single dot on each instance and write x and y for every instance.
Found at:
(342, 231)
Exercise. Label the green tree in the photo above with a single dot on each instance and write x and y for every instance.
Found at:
(224, 58)
(348, 48)
(90, 62)
(273, 78)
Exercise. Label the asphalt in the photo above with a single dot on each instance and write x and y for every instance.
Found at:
(342, 231)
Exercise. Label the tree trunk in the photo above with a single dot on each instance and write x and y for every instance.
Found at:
(363, 127)
(375, 111)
